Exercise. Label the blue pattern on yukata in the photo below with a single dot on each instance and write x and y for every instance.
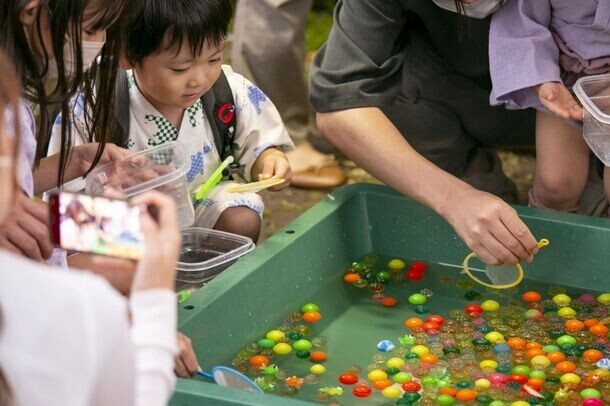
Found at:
(242, 202)
(205, 203)
(77, 106)
(256, 97)
(197, 163)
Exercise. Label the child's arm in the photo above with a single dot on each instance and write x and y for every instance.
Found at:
(272, 163)
(522, 53)
(555, 97)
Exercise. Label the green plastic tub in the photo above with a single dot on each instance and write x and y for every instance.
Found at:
(304, 262)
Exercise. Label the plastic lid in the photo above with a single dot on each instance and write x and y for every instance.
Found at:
(141, 171)
(594, 94)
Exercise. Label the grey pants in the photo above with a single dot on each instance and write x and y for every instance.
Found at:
(269, 49)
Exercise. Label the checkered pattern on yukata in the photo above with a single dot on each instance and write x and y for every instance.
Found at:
(165, 130)
(193, 112)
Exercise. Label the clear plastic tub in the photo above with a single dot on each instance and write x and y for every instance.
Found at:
(206, 253)
(594, 94)
(162, 168)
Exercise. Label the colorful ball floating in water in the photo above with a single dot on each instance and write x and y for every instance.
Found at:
(386, 346)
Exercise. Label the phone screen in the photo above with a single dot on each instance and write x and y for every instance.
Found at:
(97, 225)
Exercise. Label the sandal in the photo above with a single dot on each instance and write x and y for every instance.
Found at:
(314, 170)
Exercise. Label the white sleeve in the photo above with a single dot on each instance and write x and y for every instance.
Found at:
(259, 125)
(153, 335)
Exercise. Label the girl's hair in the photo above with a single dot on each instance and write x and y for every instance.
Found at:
(462, 15)
(65, 19)
(9, 101)
(164, 25)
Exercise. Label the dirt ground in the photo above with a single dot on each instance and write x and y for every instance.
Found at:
(283, 207)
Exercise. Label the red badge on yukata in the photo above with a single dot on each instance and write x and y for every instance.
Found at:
(226, 112)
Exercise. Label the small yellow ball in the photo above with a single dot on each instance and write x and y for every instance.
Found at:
(488, 364)
(282, 348)
(420, 350)
(540, 361)
(490, 306)
(562, 299)
(396, 264)
(317, 369)
(604, 298)
(570, 378)
(392, 392)
(395, 362)
(376, 374)
(275, 335)
(482, 384)
(566, 313)
(520, 403)
(494, 337)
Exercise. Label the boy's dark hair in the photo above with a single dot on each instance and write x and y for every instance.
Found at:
(165, 24)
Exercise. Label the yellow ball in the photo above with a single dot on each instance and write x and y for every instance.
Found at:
(604, 298)
(282, 348)
(570, 378)
(420, 350)
(488, 364)
(395, 362)
(562, 299)
(566, 313)
(494, 337)
(490, 306)
(540, 361)
(396, 264)
(275, 335)
(482, 384)
(317, 369)
(392, 392)
(376, 374)
(520, 403)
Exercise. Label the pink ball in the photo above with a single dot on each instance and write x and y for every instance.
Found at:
(587, 298)
(498, 379)
(592, 402)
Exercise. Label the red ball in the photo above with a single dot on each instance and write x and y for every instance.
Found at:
(418, 266)
(411, 386)
(348, 378)
(473, 308)
(430, 326)
(414, 275)
(362, 391)
(435, 318)
(519, 378)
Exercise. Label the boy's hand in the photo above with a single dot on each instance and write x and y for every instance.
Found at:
(272, 163)
(555, 97)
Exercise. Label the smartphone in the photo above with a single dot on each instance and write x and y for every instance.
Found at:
(96, 225)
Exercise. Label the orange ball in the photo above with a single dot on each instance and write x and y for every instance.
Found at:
(591, 322)
(259, 360)
(574, 325)
(312, 316)
(533, 344)
(535, 382)
(448, 391)
(565, 367)
(516, 343)
(599, 330)
(592, 355)
(466, 395)
(351, 277)
(429, 359)
(534, 352)
(414, 322)
(389, 301)
(317, 356)
(531, 296)
(556, 357)
(381, 384)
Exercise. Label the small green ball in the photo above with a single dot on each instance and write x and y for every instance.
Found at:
(590, 393)
(522, 369)
(302, 354)
(464, 384)
(308, 307)
(497, 403)
(266, 343)
(294, 336)
(417, 299)
(421, 309)
(383, 276)
(550, 348)
(411, 396)
(484, 399)
(566, 339)
(402, 377)
(445, 400)
(302, 345)
(472, 295)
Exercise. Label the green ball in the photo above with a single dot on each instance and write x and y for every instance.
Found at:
(590, 393)
(538, 374)
(308, 307)
(428, 381)
(484, 399)
(417, 299)
(392, 371)
(266, 343)
(522, 369)
(383, 276)
(294, 336)
(421, 309)
(411, 396)
(566, 339)
(445, 400)
(550, 348)
(472, 295)
(303, 354)
(302, 345)
(402, 377)
(497, 403)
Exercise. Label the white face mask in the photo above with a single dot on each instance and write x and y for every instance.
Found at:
(478, 9)
(90, 50)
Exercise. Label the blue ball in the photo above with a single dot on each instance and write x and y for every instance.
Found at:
(385, 346)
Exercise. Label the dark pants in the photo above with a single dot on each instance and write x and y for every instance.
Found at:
(446, 116)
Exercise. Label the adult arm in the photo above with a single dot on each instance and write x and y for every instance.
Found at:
(489, 227)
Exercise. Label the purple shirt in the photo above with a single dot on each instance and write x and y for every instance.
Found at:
(27, 128)
(523, 53)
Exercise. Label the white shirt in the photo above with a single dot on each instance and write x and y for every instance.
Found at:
(66, 338)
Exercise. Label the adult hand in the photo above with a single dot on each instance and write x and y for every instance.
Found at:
(82, 157)
(186, 360)
(558, 99)
(272, 163)
(157, 268)
(490, 227)
(26, 230)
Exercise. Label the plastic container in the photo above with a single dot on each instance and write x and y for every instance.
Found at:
(162, 168)
(206, 253)
(594, 94)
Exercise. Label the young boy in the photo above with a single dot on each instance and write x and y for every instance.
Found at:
(173, 54)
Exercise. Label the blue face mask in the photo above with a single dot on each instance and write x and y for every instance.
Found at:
(478, 9)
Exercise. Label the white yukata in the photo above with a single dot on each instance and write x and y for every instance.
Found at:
(259, 126)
